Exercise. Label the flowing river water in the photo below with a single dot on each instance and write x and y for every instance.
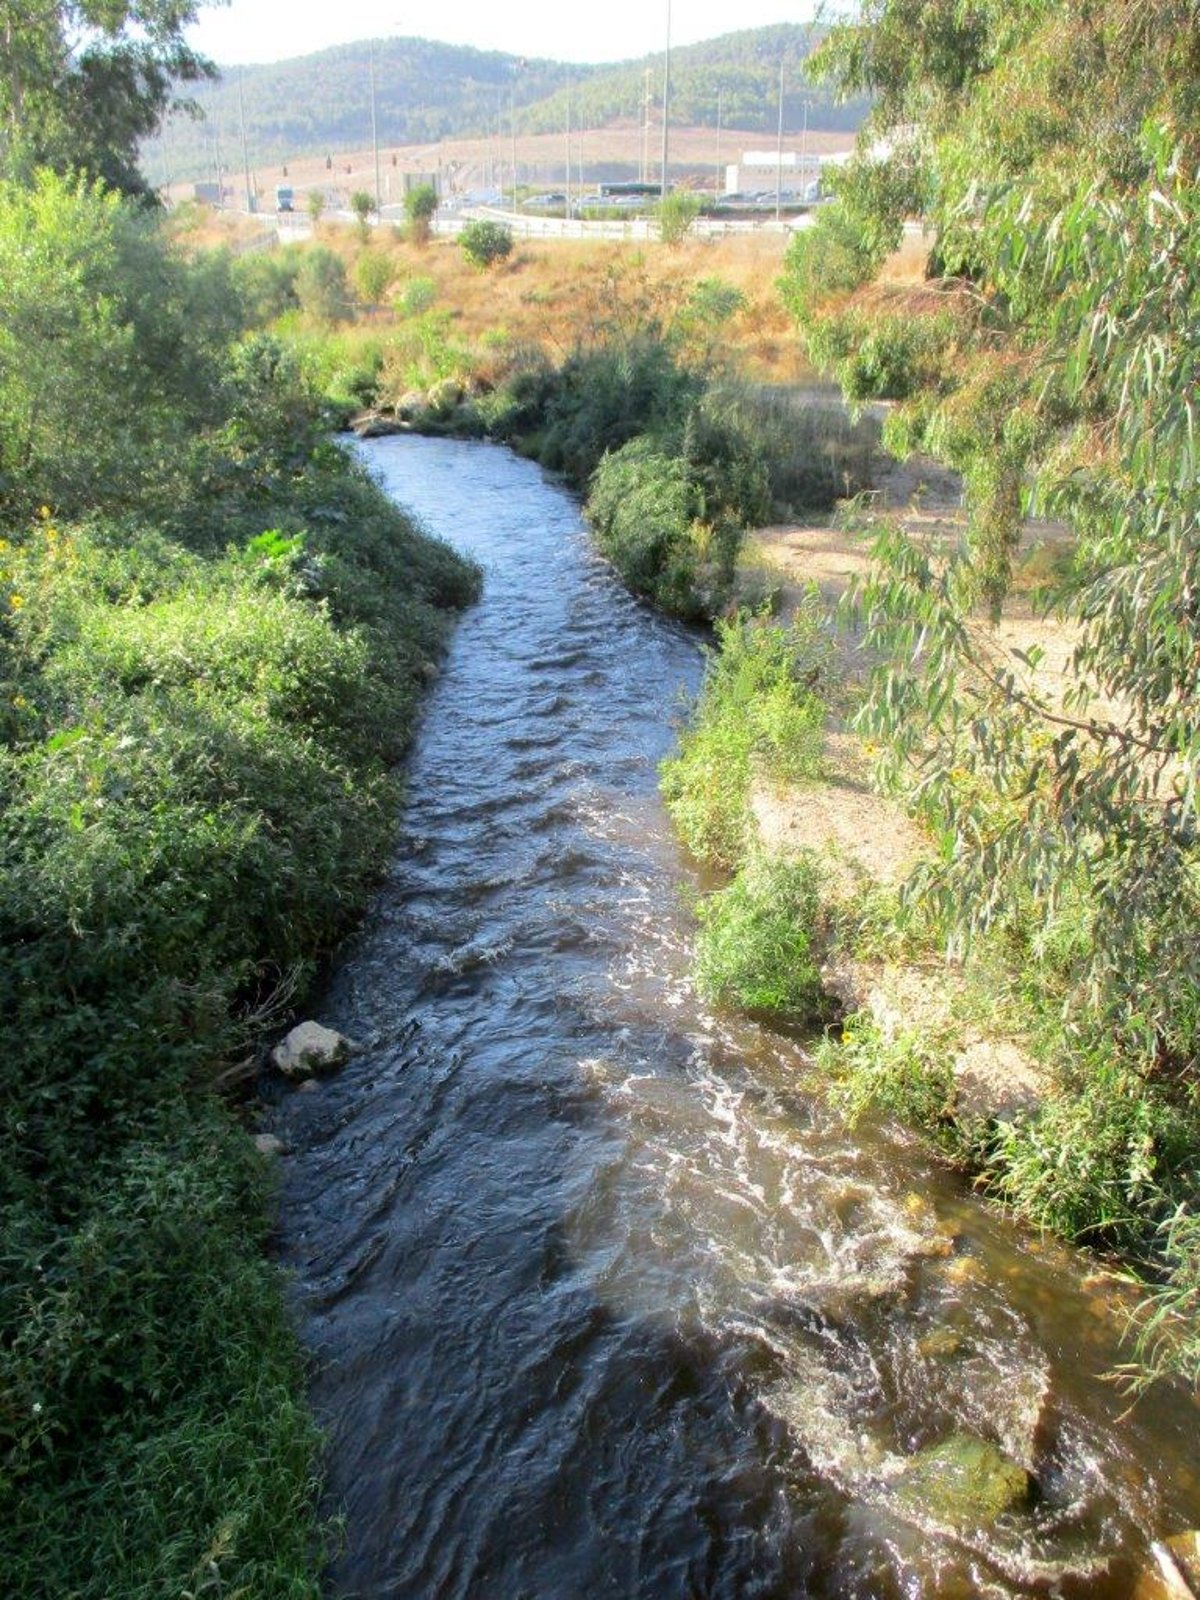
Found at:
(603, 1299)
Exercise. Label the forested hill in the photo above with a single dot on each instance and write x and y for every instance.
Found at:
(742, 68)
(424, 91)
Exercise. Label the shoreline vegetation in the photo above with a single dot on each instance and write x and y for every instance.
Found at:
(214, 635)
(980, 1036)
(995, 1032)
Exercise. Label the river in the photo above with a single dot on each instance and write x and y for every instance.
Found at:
(602, 1298)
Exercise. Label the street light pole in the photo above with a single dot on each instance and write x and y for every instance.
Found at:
(245, 148)
(645, 172)
(719, 188)
(567, 195)
(375, 130)
(666, 103)
(779, 147)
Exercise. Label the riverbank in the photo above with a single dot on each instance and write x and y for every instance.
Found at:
(972, 1046)
(215, 633)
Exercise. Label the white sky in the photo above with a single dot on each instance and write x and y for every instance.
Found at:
(563, 30)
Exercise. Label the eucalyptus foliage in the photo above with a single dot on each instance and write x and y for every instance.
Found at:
(1053, 150)
(82, 82)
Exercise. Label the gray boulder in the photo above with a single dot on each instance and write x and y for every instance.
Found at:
(311, 1049)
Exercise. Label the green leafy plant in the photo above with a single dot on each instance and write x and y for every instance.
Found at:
(758, 941)
(485, 243)
(321, 286)
(420, 207)
(362, 204)
(759, 709)
(676, 212)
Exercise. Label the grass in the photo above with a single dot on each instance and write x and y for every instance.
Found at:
(759, 710)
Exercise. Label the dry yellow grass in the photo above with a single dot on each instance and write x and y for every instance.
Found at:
(553, 293)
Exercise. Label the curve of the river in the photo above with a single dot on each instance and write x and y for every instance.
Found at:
(603, 1300)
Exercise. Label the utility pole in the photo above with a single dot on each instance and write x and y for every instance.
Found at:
(245, 149)
(375, 133)
(779, 147)
(512, 109)
(666, 102)
(720, 179)
(645, 172)
(567, 207)
(217, 151)
(804, 155)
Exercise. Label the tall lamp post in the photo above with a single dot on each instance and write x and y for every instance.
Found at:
(374, 126)
(666, 103)
(719, 179)
(779, 148)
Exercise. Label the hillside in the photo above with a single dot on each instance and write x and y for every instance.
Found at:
(320, 105)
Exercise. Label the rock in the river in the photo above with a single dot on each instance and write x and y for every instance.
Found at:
(268, 1145)
(374, 425)
(442, 397)
(311, 1048)
(964, 1481)
(411, 405)
(1175, 1570)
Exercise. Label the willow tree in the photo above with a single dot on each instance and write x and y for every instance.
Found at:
(1051, 356)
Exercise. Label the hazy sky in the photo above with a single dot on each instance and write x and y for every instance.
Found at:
(566, 30)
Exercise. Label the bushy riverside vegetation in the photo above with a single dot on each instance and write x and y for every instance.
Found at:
(1049, 357)
(632, 399)
(760, 717)
(213, 634)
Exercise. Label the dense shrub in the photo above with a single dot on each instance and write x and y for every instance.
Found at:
(485, 243)
(759, 709)
(321, 287)
(205, 676)
(758, 940)
(647, 509)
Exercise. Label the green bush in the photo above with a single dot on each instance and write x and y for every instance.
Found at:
(758, 711)
(601, 399)
(757, 940)
(205, 678)
(420, 206)
(416, 297)
(906, 1074)
(826, 260)
(321, 287)
(373, 272)
(645, 507)
(266, 281)
(676, 213)
(878, 356)
(485, 243)
(111, 348)
(152, 1435)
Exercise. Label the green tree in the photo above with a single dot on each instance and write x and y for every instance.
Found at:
(110, 348)
(485, 243)
(82, 82)
(420, 204)
(321, 286)
(1054, 149)
(373, 271)
(676, 213)
(362, 204)
(314, 204)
